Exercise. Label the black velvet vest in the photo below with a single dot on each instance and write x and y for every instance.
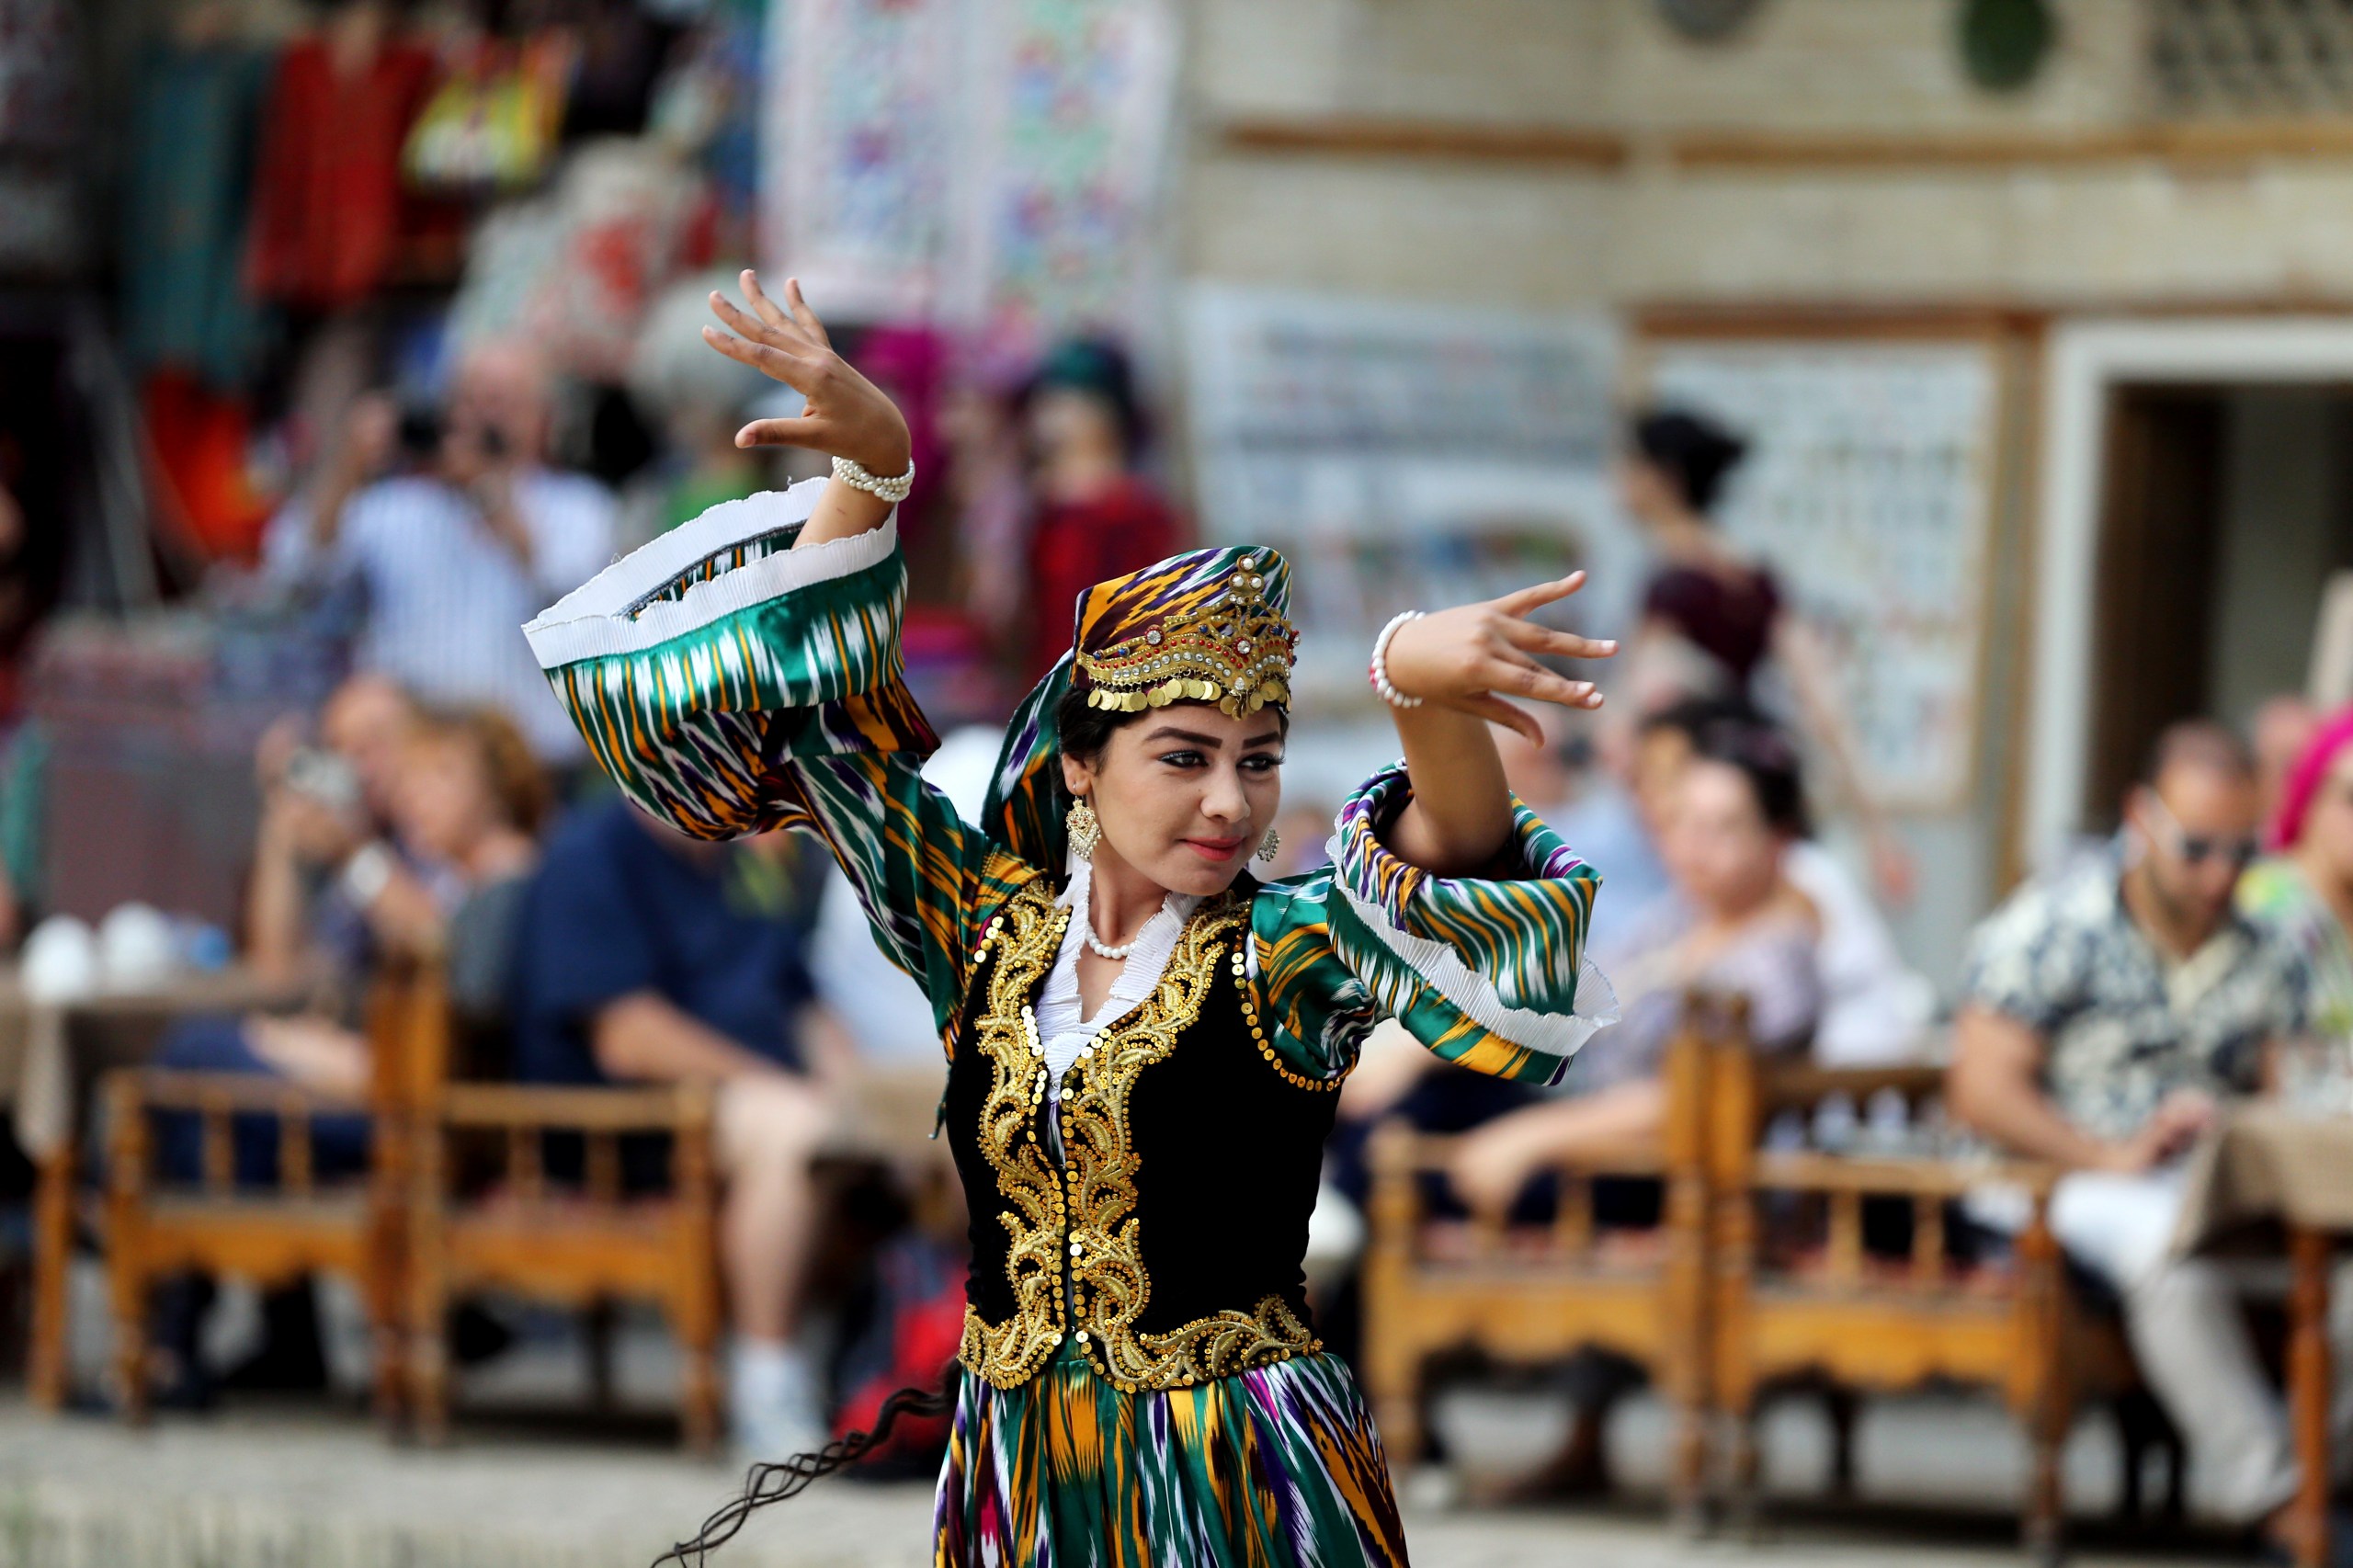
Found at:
(1167, 1241)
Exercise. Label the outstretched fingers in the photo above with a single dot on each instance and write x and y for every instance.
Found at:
(767, 310)
(1530, 638)
(766, 358)
(805, 318)
(787, 340)
(1521, 678)
(1537, 596)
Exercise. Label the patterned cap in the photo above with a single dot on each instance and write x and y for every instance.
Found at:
(1206, 626)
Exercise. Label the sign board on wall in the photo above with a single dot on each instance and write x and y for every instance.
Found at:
(1405, 457)
(1869, 489)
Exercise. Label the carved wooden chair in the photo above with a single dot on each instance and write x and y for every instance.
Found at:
(485, 1212)
(1797, 1298)
(1534, 1296)
(282, 1232)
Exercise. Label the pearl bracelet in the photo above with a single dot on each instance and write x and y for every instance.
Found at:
(855, 475)
(1379, 671)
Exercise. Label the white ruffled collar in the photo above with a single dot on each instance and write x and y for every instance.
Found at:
(1060, 1024)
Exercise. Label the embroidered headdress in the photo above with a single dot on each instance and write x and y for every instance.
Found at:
(1206, 626)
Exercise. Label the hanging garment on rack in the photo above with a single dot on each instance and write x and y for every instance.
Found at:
(193, 127)
(327, 204)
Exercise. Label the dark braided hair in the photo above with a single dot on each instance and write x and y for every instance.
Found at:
(765, 1483)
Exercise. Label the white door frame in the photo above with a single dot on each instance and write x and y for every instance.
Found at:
(2086, 360)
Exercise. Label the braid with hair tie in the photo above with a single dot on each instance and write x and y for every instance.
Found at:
(765, 1483)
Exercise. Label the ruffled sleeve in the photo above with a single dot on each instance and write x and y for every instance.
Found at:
(731, 685)
(1488, 973)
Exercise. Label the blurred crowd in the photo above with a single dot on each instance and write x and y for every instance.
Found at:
(455, 457)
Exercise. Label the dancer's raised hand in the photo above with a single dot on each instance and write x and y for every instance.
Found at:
(846, 415)
(1472, 657)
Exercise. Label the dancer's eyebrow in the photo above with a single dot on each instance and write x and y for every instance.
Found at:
(1192, 737)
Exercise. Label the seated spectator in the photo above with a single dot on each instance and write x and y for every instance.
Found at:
(459, 546)
(2303, 891)
(2107, 1011)
(470, 802)
(647, 957)
(461, 796)
(1736, 924)
(1875, 1008)
(324, 889)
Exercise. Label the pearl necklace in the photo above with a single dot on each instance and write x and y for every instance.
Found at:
(1099, 950)
(1104, 950)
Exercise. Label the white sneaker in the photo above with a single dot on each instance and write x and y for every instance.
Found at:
(773, 1409)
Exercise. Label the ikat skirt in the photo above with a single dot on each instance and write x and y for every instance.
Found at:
(1278, 1468)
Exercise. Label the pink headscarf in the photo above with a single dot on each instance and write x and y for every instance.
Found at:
(2304, 780)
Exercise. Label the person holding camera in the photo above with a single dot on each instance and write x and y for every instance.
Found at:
(457, 530)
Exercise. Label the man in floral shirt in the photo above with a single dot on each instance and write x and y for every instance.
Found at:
(2106, 1013)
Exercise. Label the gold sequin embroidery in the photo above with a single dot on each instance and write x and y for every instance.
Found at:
(1082, 1216)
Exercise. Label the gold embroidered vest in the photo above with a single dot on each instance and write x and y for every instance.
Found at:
(1165, 1243)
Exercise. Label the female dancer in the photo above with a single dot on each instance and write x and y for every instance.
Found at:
(1142, 1040)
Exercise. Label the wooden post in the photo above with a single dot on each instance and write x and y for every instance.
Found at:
(1688, 1383)
(1733, 1122)
(1391, 1357)
(2309, 1379)
(696, 1307)
(2042, 1392)
(427, 1371)
(45, 1366)
(126, 1253)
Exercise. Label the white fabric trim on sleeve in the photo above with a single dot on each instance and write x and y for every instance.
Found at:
(1437, 962)
(593, 619)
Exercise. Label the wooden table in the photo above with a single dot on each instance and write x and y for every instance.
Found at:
(49, 1054)
(2271, 1163)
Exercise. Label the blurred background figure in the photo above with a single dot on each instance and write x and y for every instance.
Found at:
(1094, 513)
(402, 832)
(643, 955)
(2281, 733)
(2302, 889)
(699, 399)
(2111, 1012)
(1734, 924)
(1711, 619)
(1874, 1008)
(458, 531)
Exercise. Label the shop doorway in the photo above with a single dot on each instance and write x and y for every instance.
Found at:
(2225, 511)
(2195, 493)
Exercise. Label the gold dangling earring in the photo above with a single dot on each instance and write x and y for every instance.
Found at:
(1269, 844)
(1085, 832)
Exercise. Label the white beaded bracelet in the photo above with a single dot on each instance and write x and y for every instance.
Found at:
(1379, 671)
(892, 490)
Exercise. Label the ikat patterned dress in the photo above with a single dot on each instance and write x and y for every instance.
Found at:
(733, 685)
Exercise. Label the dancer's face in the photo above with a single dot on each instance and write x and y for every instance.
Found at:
(1185, 793)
